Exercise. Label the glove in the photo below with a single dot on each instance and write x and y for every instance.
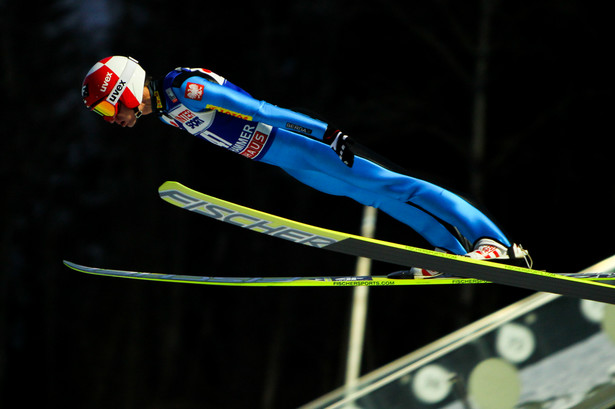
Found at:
(341, 144)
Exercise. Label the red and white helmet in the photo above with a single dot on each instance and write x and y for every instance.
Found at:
(112, 80)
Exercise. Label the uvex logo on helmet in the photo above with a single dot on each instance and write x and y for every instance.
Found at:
(116, 92)
(105, 83)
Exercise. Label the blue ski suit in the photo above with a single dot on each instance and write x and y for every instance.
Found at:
(210, 107)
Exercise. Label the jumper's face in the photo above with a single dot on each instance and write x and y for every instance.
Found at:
(125, 117)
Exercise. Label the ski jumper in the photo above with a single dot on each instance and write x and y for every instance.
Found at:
(211, 108)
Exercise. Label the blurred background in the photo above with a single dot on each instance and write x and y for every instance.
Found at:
(506, 103)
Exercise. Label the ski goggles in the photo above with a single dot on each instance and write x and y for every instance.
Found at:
(107, 107)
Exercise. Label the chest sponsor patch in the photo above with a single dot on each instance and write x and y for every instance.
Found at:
(193, 122)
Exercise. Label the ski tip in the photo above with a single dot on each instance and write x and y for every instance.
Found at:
(74, 266)
(166, 185)
(69, 264)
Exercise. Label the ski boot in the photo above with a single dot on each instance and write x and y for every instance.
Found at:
(485, 249)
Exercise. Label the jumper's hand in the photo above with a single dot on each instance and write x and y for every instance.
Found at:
(341, 144)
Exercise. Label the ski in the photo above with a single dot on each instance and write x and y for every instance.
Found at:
(393, 253)
(318, 281)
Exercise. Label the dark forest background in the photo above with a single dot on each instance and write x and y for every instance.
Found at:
(509, 103)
